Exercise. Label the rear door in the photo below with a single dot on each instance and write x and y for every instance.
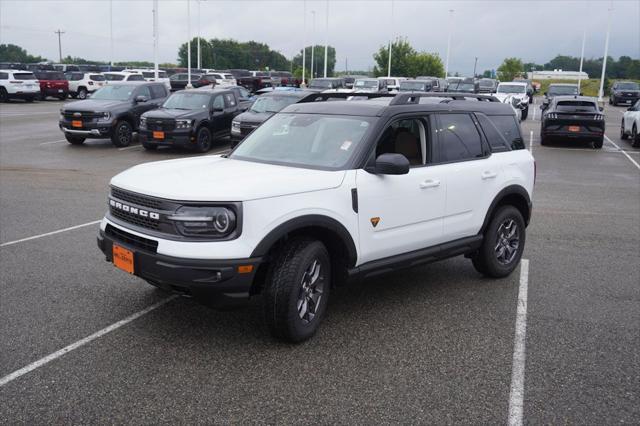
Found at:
(472, 174)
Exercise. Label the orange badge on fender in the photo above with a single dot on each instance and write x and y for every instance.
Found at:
(375, 221)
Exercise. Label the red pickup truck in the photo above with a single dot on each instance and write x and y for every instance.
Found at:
(52, 83)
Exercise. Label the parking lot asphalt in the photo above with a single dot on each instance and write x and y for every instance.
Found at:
(433, 344)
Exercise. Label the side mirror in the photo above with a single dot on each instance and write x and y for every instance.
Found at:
(601, 108)
(141, 99)
(392, 164)
(581, 94)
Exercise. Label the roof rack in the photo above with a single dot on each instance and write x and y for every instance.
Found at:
(414, 97)
(320, 96)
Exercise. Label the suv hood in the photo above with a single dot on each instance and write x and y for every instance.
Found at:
(94, 105)
(214, 178)
(174, 113)
(251, 117)
(502, 97)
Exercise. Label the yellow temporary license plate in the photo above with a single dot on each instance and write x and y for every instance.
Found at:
(158, 135)
(76, 123)
(123, 258)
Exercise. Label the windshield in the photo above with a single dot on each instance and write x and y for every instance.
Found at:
(113, 77)
(628, 86)
(114, 92)
(187, 100)
(151, 74)
(370, 84)
(272, 103)
(486, 83)
(413, 85)
(320, 83)
(511, 88)
(313, 140)
(576, 106)
(563, 90)
(465, 87)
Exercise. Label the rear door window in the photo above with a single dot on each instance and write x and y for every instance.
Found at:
(158, 91)
(144, 91)
(218, 102)
(135, 77)
(458, 139)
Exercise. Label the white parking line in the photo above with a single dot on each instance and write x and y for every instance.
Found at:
(129, 147)
(530, 140)
(516, 395)
(635, 163)
(49, 143)
(71, 228)
(534, 113)
(42, 361)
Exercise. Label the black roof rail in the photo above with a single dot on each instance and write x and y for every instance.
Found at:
(319, 96)
(413, 97)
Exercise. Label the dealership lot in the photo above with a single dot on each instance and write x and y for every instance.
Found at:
(433, 344)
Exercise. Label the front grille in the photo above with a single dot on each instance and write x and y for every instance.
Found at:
(84, 115)
(139, 199)
(130, 239)
(246, 129)
(143, 222)
(162, 124)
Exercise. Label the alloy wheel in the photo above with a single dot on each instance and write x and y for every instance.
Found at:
(507, 241)
(311, 290)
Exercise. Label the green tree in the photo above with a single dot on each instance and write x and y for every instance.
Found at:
(424, 64)
(77, 60)
(228, 53)
(318, 59)
(402, 55)
(510, 68)
(14, 53)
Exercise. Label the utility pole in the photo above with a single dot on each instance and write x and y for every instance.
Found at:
(584, 36)
(304, 42)
(189, 86)
(110, 33)
(390, 42)
(446, 64)
(326, 40)
(59, 43)
(155, 40)
(474, 67)
(606, 52)
(313, 39)
(199, 63)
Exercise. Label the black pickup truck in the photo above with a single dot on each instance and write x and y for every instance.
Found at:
(192, 119)
(247, 80)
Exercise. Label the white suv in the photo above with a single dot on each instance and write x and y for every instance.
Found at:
(323, 193)
(150, 75)
(123, 76)
(16, 84)
(83, 83)
(630, 126)
(516, 94)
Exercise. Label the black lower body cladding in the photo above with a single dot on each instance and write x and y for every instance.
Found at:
(184, 139)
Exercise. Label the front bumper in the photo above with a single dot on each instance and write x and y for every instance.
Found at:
(625, 99)
(565, 134)
(181, 138)
(91, 129)
(217, 283)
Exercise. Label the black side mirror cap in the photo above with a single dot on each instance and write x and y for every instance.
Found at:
(392, 164)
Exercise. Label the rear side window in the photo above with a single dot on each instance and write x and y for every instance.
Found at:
(24, 76)
(158, 91)
(508, 126)
(113, 77)
(218, 102)
(135, 77)
(94, 77)
(458, 138)
(497, 142)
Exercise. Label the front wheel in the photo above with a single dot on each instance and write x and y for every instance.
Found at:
(149, 146)
(62, 97)
(4, 97)
(635, 137)
(297, 290)
(74, 140)
(525, 113)
(623, 135)
(82, 93)
(503, 244)
(203, 140)
(122, 134)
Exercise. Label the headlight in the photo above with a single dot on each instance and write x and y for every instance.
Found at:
(183, 124)
(143, 122)
(235, 127)
(204, 221)
(104, 116)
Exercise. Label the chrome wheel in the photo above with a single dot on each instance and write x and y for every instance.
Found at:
(311, 290)
(507, 242)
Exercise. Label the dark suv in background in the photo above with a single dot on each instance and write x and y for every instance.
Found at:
(112, 112)
(624, 92)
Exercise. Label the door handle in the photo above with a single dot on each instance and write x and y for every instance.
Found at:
(489, 175)
(430, 183)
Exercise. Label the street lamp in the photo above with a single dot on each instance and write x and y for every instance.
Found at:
(390, 42)
(313, 12)
(326, 40)
(304, 41)
(606, 52)
(189, 86)
(199, 64)
(155, 40)
(446, 64)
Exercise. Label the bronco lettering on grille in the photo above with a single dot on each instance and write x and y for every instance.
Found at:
(134, 210)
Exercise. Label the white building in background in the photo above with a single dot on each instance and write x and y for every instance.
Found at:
(557, 75)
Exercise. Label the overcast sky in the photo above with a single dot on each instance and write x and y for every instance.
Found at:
(491, 30)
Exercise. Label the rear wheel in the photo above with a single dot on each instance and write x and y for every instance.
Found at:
(297, 290)
(43, 97)
(62, 97)
(122, 134)
(623, 135)
(544, 140)
(503, 243)
(82, 93)
(149, 146)
(74, 140)
(203, 140)
(4, 97)
(598, 143)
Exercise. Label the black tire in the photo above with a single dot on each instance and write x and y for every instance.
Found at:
(203, 140)
(73, 95)
(531, 99)
(623, 135)
(82, 93)
(597, 144)
(525, 113)
(43, 97)
(614, 102)
(489, 260)
(635, 137)
(610, 102)
(149, 146)
(74, 140)
(291, 287)
(544, 140)
(30, 99)
(4, 97)
(62, 97)
(122, 134)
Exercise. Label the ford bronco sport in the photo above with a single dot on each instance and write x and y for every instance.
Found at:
(323, 193)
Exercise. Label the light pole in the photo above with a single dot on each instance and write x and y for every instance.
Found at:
(59, 43)
(475, 64)
(110, 33)
(189, 86)
(446, 64)
(304, 41)
(155, 40)
(390, 42)
(313, 33)
(584, 36)
(326, 40)
(606, 52)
